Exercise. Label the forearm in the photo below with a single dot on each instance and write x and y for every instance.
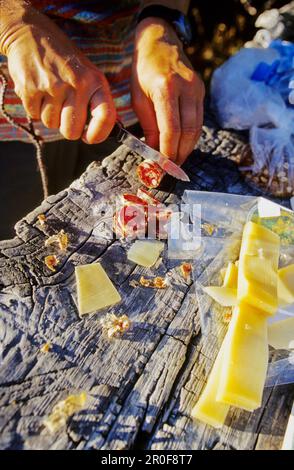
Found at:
(181, 5)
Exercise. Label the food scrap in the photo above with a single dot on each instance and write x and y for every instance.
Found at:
(155, 283)
(130, 221)
(51, 262)
(63, 410)
(45, 348)
(208, 228)
(42, 219)
(134, 283)
(150, 174)
(131, 199)
(186, 270)
(227, 317)
(115, 326)
(146, 196)
(137, 217)
(60, 239)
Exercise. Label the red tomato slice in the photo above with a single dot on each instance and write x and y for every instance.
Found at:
(150, 174)
(148, 197)
(130, 221)
(132, 199)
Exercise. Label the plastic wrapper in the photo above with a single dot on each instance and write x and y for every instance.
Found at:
(222, 220)
(254, 90)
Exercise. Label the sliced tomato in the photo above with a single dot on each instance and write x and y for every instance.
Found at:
(130, 221)
(148, 197)
(132, 199)
(150, 174)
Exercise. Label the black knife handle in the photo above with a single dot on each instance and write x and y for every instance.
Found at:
(117, 132)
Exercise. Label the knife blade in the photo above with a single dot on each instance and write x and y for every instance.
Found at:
(148, 153)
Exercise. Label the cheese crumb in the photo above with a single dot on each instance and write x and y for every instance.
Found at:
(42, 219)
(156, 283)
(115, 326)
(63, 410)
(45, 348)
(51, 262)
(60, 239)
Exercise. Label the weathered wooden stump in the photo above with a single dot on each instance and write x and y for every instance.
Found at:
(141, 387)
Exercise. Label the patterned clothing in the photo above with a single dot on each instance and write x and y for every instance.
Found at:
(104, 32)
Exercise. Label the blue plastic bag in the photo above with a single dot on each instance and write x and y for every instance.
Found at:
(254, 90)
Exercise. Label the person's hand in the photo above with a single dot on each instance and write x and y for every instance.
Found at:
(56, 82)
(167, 94)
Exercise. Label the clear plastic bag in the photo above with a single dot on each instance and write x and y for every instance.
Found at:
(221, 246)
(250, 92)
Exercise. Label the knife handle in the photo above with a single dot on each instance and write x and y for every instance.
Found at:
(117, 132)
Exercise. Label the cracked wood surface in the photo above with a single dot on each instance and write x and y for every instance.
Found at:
(141, 388)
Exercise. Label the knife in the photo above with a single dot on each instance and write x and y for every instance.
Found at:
(125, 137)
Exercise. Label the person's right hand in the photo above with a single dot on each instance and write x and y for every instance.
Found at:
(56, 82)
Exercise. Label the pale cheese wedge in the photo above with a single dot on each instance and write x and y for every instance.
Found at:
(231, 276)
(281, 334)
(225, 296)
(207, 409)
(245, 359)
(145, 253)
(258, 268)
(95, 289)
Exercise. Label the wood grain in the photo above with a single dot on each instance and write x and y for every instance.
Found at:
(141, 387)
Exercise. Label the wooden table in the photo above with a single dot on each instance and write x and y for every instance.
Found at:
(141, 387)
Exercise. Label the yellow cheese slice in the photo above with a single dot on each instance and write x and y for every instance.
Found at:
(95, 289)
(231, 276)
(261, 242)
(225, 296)
(286, 285)
(245, 359)
(223, 273)
(281, 334)
(258, 266)
(145, 253)
(207, 409)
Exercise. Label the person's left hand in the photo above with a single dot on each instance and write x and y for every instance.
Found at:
(167, 94)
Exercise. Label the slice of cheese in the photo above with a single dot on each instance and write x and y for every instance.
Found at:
(258, 267)
(145, 253)
(261, 242)
(225, 296)
(286, 285)
(245, 359)
(223, 273)
(231, 276)
(258, 284)
(95, 289)
(281, 334)
(207, 409)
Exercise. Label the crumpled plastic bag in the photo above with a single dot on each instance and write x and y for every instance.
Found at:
(248, 92)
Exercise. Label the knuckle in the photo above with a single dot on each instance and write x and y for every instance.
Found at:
(171, 132)
(162, 87)
(56, 87)
(191, 132)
